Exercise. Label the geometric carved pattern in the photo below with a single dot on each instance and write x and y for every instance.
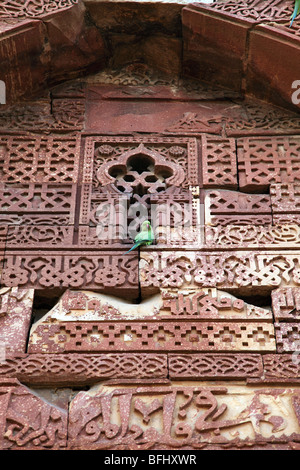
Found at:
(254, 10)
(288, 337)
(205, 366)
(224, 270)
(258, 236)
(39, 159)
(281, 366)
(266, 161)
(32, 9)
(286, 304)
(65, 369)
(285, 201)
(30, 236)
(218, 163)
(224, 207)
(150, 337)
(37, 201)
(60, 269)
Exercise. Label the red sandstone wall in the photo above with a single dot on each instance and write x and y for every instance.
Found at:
(190, 343)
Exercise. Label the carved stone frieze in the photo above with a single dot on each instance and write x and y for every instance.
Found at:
(109, 271)
(151, 337)
(81, 369)
(247, 272)
(179, 416)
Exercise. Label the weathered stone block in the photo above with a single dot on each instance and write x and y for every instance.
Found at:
(15, 318)
(286, 304)
(214, 46)
(29, 422)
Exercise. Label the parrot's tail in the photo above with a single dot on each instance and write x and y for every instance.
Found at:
(296, 11)
(132, 248)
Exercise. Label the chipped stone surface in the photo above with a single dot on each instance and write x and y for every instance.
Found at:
(15, 318)
(28, 421)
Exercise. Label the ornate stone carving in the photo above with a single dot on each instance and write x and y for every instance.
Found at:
(254, 10)
(59, 115)
(232, 207)
(82, 369)
(44, 202)
(32, 236)
(33, 8)
(29, 422)
(170, 304)
(287, 338)
(281, 367)
(109, 271)
(285, 201)
(177, 156)
(245, 271)
(150, 337)
(219, 167)
(177, 416)
(265, 161)
(253, 236)
(214, 366)
(124, 177)
(39, 159)
(286, 304)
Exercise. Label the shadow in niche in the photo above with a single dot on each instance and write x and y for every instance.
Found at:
(44, 301)
(261, 299)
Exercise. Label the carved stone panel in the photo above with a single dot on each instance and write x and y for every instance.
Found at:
(182, 416)
(248, 271)
(34, 203)
(48, 159)
(266, 161)
(81, 369)
(235, 208)
(109, 271)
(29, 422)
(286, 304)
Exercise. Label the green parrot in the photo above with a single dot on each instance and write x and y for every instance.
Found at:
(144, 237)
(296, 11)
